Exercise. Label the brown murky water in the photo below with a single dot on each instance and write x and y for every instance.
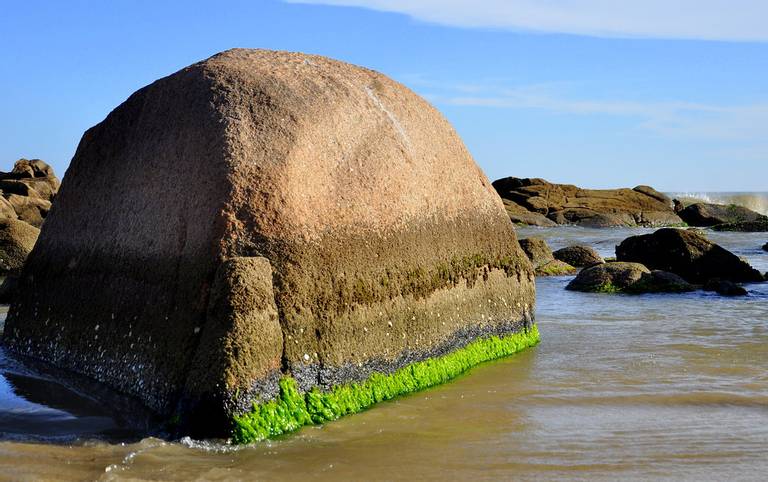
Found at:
(631, 387)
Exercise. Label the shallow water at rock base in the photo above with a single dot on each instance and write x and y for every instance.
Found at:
(622, 386)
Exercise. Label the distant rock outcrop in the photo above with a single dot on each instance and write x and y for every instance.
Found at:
(568, 204)
(28, 191)
(687, 254)
(706, 214)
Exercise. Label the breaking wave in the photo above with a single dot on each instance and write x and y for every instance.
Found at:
(756, 201)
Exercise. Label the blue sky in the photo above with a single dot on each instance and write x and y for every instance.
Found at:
(672, 94)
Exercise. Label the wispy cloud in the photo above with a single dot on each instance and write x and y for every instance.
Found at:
(675, 119)
(729, 20)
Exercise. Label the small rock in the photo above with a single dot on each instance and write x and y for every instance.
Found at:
(658, 281)
(724, 287)
(537, 251)
(765, 247)
(578, 256)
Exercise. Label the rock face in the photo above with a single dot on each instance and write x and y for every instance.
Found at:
(260, 215)
(17, 239)
(578, 256)
(704, 214)
(687, 254)
(756, 226)
(568, 204)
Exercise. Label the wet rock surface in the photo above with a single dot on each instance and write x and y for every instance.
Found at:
(568, 204)
(608, 277)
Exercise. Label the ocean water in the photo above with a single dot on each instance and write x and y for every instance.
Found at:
(663, 387)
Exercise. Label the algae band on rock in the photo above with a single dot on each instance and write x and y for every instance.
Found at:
(266, 239)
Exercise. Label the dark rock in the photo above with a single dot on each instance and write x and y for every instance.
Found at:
(17, 239)
(724, 287)
(687, 254)
(568, 204)
(578, 256)
(660, 282)
(396, 227)
(765, 247)
(756, 226)
(537, 250)
(608, 277)
(704, 214)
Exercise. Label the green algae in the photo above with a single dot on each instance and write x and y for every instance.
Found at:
(291, 409)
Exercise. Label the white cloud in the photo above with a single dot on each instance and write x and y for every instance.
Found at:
(730, 20)
(688, 120)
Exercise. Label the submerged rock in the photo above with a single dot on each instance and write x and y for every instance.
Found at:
(578, 256)
(555, 268)
(725, 288)
(706, 214)
(17, 239)
(264, 216)
(687, 254)
(756, 226)
(568, 204)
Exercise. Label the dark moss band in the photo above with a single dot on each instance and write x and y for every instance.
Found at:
(291, 409)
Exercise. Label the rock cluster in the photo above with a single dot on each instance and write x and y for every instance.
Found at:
(669, 260)
(264, 216)
(539, 202)
(26, 194)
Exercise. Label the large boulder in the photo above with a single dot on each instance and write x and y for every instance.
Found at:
(687, 254)
(568, 204)
(756, 226)
(264, 217)
(578, 256)
(706, 214)
(17, 239)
